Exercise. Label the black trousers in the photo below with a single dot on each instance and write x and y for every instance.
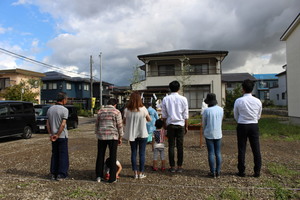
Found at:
(251, 131)
(175, 136)
(102, 145)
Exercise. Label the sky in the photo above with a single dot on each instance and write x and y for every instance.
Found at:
(65, 33)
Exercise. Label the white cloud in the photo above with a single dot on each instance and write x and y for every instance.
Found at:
(121, 30)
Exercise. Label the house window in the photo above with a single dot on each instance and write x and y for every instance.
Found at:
(283, 95)
(195, 95)
(79, 87)
(86, 87)
(277, 96)
(52, 86)
(44, 87)
(68, 86)
(198, 69)
(4, 83)
(229, 85)
(166, 70)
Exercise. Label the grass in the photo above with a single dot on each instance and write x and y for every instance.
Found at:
(271, 126)
(232, 194)
(281, 170)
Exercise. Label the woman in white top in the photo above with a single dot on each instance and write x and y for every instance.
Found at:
(135, 118)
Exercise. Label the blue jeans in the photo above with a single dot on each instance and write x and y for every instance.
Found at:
(139, 143)
(214, 154)
(60, 158)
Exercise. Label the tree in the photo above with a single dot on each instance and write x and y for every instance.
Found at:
(231, 96)
(184, 77)
(22, 91)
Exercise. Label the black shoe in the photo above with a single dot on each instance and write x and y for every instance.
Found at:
(212, 175)
(256, 175)
(172, 170)
(240, 174)
(217, 174)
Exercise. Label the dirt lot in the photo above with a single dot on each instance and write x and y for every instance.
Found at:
(25, 171)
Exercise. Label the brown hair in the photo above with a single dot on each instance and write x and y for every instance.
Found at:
(135, 102)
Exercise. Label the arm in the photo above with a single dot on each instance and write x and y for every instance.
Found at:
(235, 111)
(186, 125)
(60, 130)
(49, 129)
(120, 127)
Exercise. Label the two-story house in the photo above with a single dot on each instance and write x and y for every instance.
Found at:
(76, 88)
(292, 38)
(198, 71)
(9, 77)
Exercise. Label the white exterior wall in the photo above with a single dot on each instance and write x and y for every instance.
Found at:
(279, 90)
(293, 73)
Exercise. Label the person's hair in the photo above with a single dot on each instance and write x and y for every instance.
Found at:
(112, 101)
(174, 86)
(248, 85)
(159, 123)
(61, 96)
(135, 102)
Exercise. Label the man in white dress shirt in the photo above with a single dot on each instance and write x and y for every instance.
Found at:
(175, 113)
(247, 112)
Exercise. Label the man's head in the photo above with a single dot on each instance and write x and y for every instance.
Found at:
(62, 98)
(174, 86)
(248, 86)
(112, 102)
(159, 123)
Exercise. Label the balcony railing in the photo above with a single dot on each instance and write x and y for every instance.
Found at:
(154, 73)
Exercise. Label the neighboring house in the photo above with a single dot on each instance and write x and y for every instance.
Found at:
(279, 94)
(9, 77)
(107, 88)
(232, 80)
(76, 88)
(198, 71)
(292, 38)
(263, 85)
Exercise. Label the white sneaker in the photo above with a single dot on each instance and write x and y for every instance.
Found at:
(136, 176)
(98, 179)
(142, 176)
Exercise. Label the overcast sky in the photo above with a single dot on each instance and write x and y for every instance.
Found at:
(64, 33)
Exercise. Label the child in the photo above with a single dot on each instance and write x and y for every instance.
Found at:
(107, 168)
(158, 145)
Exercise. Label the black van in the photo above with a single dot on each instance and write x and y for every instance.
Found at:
(41, 118)
(17, 118)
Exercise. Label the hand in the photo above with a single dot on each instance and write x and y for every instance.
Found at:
(186, 130)
(54, 138)
(120, 142)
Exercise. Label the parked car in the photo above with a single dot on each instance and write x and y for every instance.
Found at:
(17, 118)
(41, 119)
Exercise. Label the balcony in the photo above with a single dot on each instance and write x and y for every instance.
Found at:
(155, 73)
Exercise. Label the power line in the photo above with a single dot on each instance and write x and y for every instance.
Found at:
(37, 62)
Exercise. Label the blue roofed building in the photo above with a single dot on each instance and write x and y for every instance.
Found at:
(263, 84)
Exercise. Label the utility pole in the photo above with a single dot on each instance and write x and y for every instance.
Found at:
(91, 91)
(100, 86)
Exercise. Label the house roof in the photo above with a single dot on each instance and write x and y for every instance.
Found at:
(22, 71)
(236, 77)
(291, 28)
(265, 76)
(182, 52)
(281, 73)
(54, 76)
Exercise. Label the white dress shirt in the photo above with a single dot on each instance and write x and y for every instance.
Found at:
(175, 109)
(247, 109)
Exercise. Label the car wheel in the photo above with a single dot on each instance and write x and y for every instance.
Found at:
(75, 125)
(27, 132)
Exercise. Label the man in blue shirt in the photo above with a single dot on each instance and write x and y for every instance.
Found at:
(247, 111)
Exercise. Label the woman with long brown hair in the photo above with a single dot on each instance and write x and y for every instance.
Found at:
(135, 118)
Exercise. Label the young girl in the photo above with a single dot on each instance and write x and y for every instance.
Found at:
(107, 168)
(158, 146)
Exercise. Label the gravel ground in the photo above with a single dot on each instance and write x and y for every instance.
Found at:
(25, 171)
